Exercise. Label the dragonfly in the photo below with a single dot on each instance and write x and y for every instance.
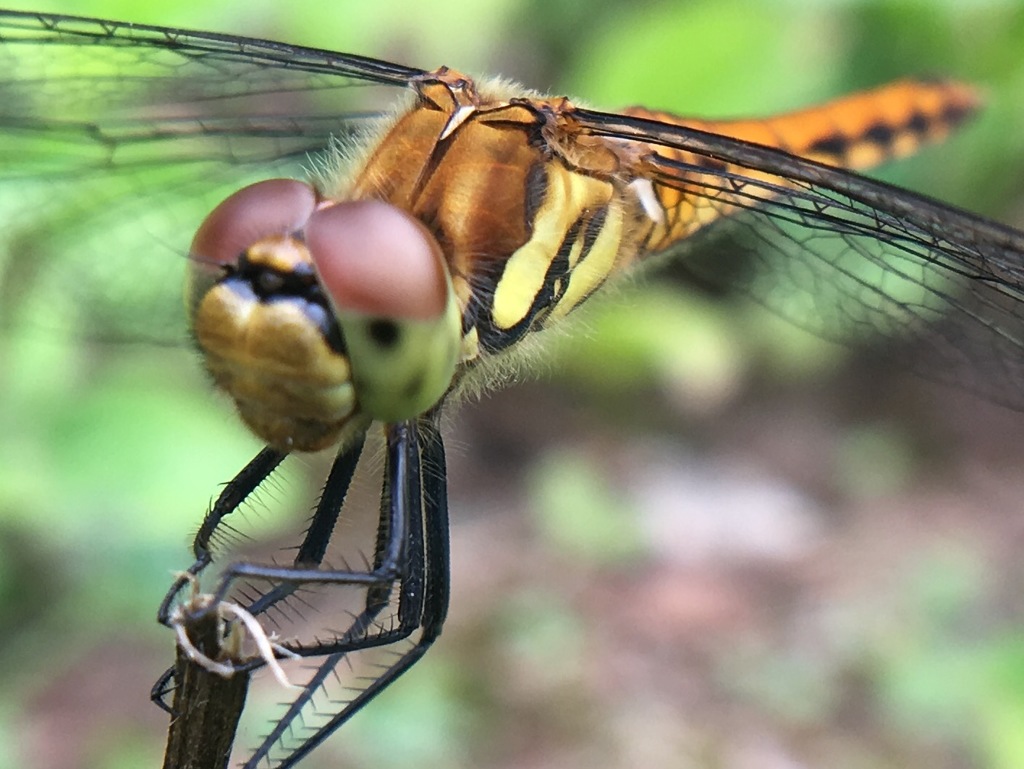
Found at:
(362, 243)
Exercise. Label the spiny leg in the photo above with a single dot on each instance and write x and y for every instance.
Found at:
(422, 601)
(318, 534)
(415, 483)
(310, 553)
(387, 567)
(230, 499)
(235, 492)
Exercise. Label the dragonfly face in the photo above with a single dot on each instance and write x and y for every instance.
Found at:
(419, 258)
(318, 316)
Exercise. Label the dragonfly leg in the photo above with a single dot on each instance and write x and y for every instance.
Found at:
(420, 485)
(389, 560)
(229, 500)
(314, 544)
(411, 550)
(311, 550)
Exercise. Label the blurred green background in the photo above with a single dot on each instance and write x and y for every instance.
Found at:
(702, 540)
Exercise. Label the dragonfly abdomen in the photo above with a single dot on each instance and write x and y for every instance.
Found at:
(859, 131)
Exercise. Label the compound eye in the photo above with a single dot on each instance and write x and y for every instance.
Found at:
(376, 260)
(388, 282)
(261, 210)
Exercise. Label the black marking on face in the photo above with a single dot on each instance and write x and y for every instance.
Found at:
(270, 283)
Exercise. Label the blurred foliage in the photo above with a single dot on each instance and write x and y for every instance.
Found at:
(108, 457)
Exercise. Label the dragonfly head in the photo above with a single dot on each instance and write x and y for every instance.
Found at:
(318, 317)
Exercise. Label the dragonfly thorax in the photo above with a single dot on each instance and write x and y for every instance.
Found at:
(317, 316)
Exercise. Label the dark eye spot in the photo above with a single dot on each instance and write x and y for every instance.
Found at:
(384, 332)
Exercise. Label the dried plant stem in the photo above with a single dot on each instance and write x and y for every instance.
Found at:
(207, 705)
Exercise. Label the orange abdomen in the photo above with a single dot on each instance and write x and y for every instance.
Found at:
(857, 132)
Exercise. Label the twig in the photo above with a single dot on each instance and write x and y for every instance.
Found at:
(207, 704)
(210, 689)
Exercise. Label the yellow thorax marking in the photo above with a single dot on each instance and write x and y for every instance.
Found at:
(568, 195)
(596, 264)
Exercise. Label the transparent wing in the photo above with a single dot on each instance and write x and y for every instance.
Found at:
(117, 139)
(851, 259)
